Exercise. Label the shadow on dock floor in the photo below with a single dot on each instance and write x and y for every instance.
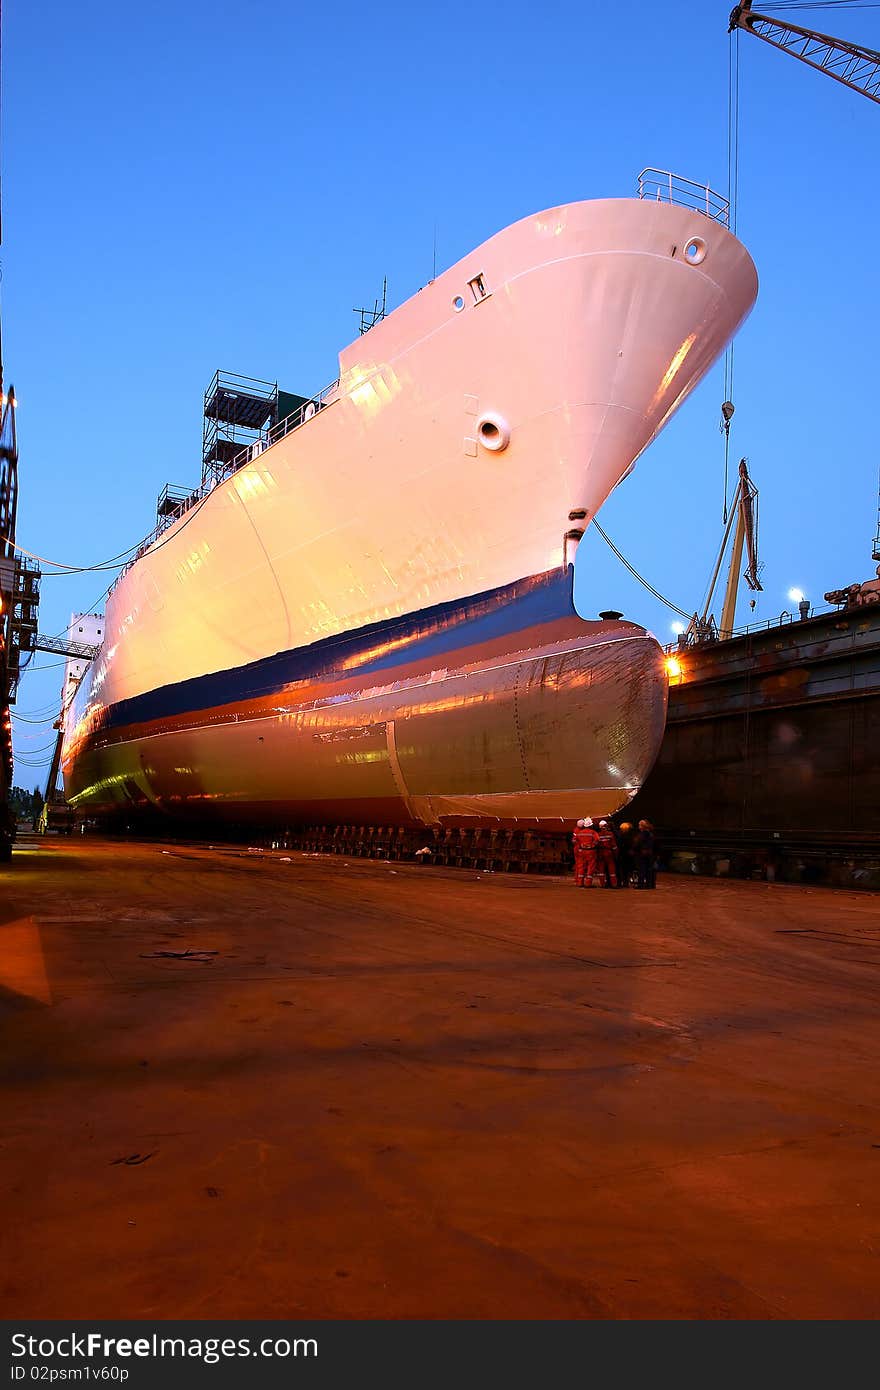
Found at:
(290, 1085)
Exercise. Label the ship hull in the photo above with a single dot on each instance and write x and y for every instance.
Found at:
(471, 437)
(503, 708)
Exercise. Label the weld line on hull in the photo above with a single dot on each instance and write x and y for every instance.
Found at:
(378, 692)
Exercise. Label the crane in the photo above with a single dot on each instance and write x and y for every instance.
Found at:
(852, 64)
(856, 66)
(745, 507)
(744, 512)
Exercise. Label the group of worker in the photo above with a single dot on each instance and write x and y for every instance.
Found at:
(611, 857)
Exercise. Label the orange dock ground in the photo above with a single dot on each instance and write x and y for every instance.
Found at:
(398, 1091)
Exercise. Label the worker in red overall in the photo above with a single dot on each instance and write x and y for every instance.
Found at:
(586, 844)
(607, 854)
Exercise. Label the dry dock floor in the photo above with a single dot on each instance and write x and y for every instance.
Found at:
(397, 1091)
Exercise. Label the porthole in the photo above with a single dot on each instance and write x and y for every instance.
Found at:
(695, 251)
(458, 303)
(493, 432)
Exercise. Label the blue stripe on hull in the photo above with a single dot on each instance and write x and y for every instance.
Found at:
(500, 706)
(418, 639)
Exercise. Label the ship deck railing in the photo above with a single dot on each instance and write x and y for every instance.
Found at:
(662, 186)
(687, 643)
(301, 416)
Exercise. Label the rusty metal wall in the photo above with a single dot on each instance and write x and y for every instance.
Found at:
(775, 735)
(810, 769)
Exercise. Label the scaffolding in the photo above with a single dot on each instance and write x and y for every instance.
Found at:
(20, 589)
(19, 576)
(172, 502)
(238, 409)
(240, 413)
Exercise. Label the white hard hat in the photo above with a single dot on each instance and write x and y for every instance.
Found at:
(588, 820)
(603, 822)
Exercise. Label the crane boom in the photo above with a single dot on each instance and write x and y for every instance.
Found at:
(850, 63)
(746, 533)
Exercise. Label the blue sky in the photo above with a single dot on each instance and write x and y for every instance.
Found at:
(193, 185)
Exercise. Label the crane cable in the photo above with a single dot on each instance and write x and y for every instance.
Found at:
(62, 567)
(84, 569)
(732, 198)
(115, 561)
(640, 577)
(733, 127)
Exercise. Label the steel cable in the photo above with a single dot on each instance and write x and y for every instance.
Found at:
(640, 577)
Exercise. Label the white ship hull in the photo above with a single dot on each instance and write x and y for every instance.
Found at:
(586, 329)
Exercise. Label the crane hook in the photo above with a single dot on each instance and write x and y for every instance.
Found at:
(727, 411)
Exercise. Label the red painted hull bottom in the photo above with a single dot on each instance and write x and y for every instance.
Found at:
(506, 708)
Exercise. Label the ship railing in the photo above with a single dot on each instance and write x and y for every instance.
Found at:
(301, 416)
(307, 411)
(662, 186)
(686, 642)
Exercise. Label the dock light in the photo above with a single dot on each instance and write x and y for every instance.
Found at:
(674, 668)
(796, 595)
